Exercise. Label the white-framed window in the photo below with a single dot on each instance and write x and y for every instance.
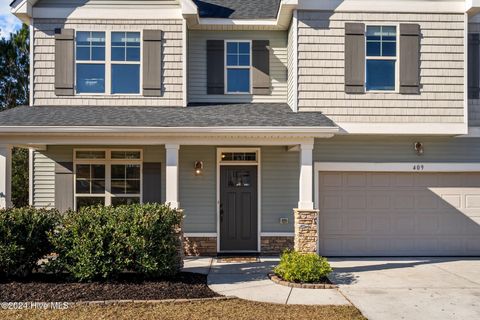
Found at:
(107, 177)
(238, 65)
(108, 63)
(90, 62)
(381, 63)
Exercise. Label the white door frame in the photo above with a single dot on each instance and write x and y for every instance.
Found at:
(259, 187)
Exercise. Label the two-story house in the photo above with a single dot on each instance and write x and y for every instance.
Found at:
(262, 119)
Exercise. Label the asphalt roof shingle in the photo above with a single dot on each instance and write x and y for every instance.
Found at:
(229, 115)
(238, 9)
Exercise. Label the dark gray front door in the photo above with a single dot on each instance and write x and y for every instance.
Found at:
(238, 208)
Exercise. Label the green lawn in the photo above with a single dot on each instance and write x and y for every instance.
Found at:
(224, 309)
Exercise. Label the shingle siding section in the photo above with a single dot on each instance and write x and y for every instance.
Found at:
(321, 70)
(44, 63)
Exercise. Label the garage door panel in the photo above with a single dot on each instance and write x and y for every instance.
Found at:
(403, 201)
(379, 200)
(399, 214)
(428, 224)
(355, 180)
(355, 200)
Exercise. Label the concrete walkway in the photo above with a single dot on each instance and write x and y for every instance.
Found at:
(249, 281)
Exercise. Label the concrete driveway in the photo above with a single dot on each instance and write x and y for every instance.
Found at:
(415, 288)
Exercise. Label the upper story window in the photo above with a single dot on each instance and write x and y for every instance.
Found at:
(381, 58)
(238, 66)
(108, 63)
(125, 62)
(90, 55)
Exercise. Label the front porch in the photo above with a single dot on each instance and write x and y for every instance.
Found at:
(238, 185)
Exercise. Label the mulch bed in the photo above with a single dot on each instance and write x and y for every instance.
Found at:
(46, 288)
(324, 283)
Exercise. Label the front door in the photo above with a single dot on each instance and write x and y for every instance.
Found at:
(238, 208)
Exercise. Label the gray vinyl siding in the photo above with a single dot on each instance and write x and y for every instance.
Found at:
(197, 66)
(44, 62)
(291, 88)
(44, 168)
(43, 180)
(280, 170)
(474, 104)
(279, 188)
(198, 193)
(396, 149)
(103, 3)
(321, 70)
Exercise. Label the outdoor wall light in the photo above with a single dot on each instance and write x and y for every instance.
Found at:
(418, 146)
(198, 167)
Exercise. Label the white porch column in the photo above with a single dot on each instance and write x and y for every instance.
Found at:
(171, 191)
(5, 176)
(305, 199)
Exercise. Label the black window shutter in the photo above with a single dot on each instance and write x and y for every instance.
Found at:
(354, 58)
(215, 67)
(409, 58)
(152, 63)
(473, 66)
(64, 62)
(261, 67)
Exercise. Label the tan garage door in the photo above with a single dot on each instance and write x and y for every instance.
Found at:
(399, 214)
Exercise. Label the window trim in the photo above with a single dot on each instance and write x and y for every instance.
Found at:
(395, 58)
(226, 67)
(108, 63)
(108, 162)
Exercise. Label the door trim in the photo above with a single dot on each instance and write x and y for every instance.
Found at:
(259, 188)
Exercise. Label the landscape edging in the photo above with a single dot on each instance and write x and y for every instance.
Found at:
(282, 282)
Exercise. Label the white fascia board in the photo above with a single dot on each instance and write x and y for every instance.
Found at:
(188, 7)
(282, 20)
(22, 10)
(107, 13)
(207, 130)
(424, 6)
(472, 7)
(403, 128)
(396, 167)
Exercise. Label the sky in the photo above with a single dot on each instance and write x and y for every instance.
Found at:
(8, 22)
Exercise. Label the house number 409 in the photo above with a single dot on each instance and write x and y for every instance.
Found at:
(418, 167)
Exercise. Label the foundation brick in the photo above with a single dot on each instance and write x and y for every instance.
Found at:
(200, 246)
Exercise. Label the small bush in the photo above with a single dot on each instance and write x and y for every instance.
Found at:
(102, 242)
(24, 239)
(302, 267)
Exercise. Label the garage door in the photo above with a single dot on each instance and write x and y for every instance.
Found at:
(399, 214)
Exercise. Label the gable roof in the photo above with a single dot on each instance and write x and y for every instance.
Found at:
(238, 9)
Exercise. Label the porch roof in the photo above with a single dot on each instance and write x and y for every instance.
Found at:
(270, 115)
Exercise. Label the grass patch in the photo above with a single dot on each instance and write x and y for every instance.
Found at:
(226, 309)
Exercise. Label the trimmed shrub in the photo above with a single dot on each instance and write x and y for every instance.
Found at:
(99, 243)
(302, 267)
(24, 239)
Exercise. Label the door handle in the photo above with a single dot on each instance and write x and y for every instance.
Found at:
(221, 212)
